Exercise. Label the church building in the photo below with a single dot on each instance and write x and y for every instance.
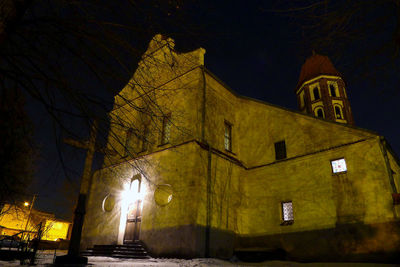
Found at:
(200, 171)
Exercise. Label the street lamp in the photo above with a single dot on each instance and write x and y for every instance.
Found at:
(26, 204)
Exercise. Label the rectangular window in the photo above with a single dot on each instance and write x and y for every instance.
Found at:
(228, 137)
(166, 129)
(287, 212)
(128, 142)
(339, 165)
(143, 138)
(280, 150)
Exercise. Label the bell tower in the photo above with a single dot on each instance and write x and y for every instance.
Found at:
(321, 91)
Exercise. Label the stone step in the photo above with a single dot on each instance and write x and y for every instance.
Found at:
(133, 250)
(130, 256)
(118, 248)
(118, 252)
(135, 245)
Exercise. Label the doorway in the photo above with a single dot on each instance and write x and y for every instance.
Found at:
(134, 213)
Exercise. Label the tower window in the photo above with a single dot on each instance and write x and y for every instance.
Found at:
(338, 112)
(228, 136)
(287, 212)
(316, 93)
(320, 113)
(280, 150)
(332, 89)
(166, 129)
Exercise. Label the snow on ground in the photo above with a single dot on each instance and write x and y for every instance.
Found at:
(45, 258)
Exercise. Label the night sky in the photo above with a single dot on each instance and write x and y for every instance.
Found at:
(256, 51)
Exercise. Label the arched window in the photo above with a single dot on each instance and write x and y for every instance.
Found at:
(332, 89)
(320, 113)
(135, 186)
(338, 112)
(316, 93)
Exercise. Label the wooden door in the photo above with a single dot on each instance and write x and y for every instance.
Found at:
(133, 221)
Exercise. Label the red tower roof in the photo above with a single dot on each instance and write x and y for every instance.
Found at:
(314, 66)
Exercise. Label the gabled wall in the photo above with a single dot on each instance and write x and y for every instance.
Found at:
(165, 83)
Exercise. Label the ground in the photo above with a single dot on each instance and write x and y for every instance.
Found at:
(45, 258)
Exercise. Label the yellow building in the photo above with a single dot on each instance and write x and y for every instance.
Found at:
(202, 171)
(14, 219)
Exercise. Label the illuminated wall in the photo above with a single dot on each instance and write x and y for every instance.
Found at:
(247, 183)
(56, 229)
(14, 220)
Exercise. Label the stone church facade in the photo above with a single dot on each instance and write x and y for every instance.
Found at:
(202, 171)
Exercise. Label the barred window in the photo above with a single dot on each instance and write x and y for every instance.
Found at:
(339, 165)
(280, 150)
(287, 211)
(228, 137)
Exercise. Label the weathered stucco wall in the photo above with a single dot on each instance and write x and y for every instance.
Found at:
(247, 184)
(166, 83)
(101, 227)
(320, 198)
(322, 203)
(256, 126)
(178, 167)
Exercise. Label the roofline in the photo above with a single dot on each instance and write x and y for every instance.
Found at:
(285, 108)
(390, 149)
(328, 76)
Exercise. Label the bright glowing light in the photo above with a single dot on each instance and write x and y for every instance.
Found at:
(129, 195)
(26, 204)
(339, 166)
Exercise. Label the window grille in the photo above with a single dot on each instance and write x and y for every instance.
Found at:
(339, 165)
(287, 211)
